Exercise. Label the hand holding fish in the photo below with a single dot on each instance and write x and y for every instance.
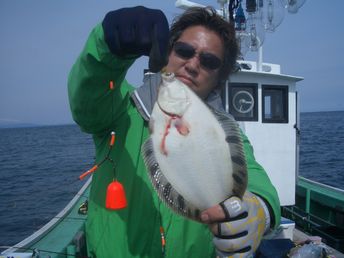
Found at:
(238, 225)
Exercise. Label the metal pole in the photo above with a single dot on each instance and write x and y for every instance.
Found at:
(260, 59)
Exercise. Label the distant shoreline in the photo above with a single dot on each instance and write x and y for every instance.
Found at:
(329, 111)
(18, 126)
(28, 125)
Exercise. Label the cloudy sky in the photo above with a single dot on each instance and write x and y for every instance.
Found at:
(40, 40)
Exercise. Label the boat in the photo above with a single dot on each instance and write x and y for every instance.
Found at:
(62, 236)
(265, 102)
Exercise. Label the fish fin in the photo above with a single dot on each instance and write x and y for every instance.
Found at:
(236, 147)
(182, 126)
(166, 192)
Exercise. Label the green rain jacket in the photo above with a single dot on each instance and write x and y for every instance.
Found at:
(135, 230)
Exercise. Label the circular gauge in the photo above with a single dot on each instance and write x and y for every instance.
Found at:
(243, 101)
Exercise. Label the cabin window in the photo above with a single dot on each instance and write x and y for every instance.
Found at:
(242, 101)
(275, 104)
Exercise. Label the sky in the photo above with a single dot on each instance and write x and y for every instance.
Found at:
(41, 39)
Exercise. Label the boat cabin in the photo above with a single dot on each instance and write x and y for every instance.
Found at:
(265, 104)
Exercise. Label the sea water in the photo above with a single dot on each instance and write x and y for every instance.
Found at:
(39, 167)
(322, 147)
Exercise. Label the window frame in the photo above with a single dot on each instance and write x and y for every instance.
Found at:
(236, 87)
(284, 89)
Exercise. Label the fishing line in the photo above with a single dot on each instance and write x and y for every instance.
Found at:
(161, 227)
(150, 89)
(162, 231)
(73, 181)
(90, 171)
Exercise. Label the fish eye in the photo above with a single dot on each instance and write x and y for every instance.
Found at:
(168, 75)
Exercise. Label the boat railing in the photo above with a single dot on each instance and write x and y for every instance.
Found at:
(32, 240)
(319, 210)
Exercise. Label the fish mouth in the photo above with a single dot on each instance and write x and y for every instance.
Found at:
(167, 112)
(170, 110)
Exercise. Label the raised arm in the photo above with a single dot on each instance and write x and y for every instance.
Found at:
(110, 50)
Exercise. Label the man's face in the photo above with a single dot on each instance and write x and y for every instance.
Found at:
(194, 71)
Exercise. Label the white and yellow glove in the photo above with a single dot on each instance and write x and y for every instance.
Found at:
(238, 225)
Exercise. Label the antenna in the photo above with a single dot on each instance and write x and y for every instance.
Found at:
(185, 4)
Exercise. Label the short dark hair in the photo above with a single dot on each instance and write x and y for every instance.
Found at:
(207, 17)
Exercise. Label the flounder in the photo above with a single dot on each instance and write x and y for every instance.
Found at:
(194, 155)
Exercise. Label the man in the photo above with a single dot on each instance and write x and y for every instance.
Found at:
(201, 52)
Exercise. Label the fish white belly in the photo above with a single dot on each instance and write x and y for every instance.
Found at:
(198, 164)
(194, 156)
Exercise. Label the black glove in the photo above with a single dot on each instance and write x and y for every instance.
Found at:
(137, 31)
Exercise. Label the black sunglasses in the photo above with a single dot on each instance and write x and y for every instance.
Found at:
(207, 60)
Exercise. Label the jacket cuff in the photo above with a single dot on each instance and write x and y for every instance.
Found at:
(267, 215)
